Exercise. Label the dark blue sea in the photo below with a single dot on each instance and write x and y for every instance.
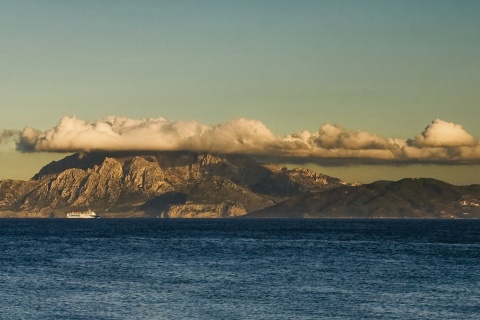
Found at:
(239, 269)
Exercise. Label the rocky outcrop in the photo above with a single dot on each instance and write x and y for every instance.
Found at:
(142, 180)
(102, 186)
(308, 180)
(227, 209)
(221, 185)
(200, 185)
(98, 187)
(283, 183)
(145, 176)
(183, 170)
(12, 193)
(60, 191)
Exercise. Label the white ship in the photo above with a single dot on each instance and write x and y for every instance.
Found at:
(82, 214)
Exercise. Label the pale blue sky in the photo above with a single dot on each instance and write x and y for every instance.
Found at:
(386, 67)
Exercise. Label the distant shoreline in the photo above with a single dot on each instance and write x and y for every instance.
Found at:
(141, 215)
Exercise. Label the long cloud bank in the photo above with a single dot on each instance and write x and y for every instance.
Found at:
(441, 142)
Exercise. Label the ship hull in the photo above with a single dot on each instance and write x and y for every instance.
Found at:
(82, 215)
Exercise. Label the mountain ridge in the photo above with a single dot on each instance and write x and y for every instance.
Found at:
(406, 198)
(195, 184)
(136, 184)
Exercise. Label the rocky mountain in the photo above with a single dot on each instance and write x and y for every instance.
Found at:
(407, 198)
(202, 185)
(166, 184)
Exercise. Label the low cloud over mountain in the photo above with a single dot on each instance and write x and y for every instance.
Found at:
(440, 142)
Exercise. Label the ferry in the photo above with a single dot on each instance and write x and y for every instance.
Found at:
(89, 214)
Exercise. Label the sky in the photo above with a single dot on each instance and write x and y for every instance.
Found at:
(361, 90)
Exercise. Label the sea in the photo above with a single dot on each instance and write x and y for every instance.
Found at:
(239, 269)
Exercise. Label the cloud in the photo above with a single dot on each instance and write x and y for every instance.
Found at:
(443, 134)
(8, 134)
(7, 138)
(123, 134)
(440, 142)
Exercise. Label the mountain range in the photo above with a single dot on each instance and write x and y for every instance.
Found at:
(203, 185)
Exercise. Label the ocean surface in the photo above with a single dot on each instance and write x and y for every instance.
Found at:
(239, 269)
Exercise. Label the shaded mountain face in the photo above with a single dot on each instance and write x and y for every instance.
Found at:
(158, 184)
(407, 198)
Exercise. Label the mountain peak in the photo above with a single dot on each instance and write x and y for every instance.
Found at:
(197, 184)
(127, 182)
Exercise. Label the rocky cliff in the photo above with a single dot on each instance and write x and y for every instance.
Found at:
(170, 184)
(225, 209)
(202, 185)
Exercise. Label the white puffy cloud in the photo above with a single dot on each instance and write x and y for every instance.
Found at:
(440, 142)
(333, 141)
(123, 134)
(443, 134)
